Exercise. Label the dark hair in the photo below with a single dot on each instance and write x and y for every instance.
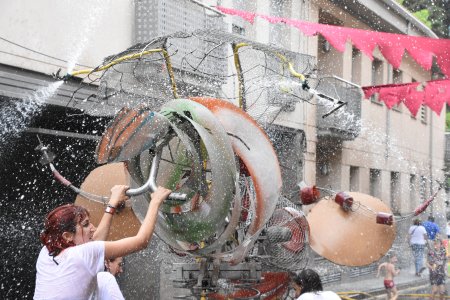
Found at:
(62, 219)
(431, 218)
(417, 222)
(109, 260)
(391, 256)
(309, 280)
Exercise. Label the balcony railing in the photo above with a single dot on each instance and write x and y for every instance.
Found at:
(345, 123)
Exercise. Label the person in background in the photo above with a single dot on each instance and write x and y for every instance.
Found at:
(389, 273)
(431, 227)
(447, 230)
(107, 287)
(308, 286)
(417, 240)
(74, 251)
(437, 262)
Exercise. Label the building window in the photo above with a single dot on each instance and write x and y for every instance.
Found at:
(238, 29)
(377, 77)
(397, 78)
(354, 179)
(276, 30)
(423, 187)
(356, 66)
(413, 80)
(290, 145)
(423, 114)
(375, 182)
(412, 188)
(395, 191)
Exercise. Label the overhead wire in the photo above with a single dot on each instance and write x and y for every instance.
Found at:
(38, 52)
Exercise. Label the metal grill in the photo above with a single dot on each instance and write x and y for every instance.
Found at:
(331, 277)
(447, 149)
(199, 62)
(164, 17)
(356, 272)
(283, 255)
(345, 123)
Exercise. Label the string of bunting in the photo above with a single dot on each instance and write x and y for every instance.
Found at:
(392, 46)
(433, 94)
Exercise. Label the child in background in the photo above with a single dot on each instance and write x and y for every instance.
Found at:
(437, 262)
(389, 273)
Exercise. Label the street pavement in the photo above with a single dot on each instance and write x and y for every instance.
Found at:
(406, 283)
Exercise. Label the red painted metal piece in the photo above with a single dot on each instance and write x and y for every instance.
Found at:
(422, 207)
(385, 218)
(309, 195)
(344, 200)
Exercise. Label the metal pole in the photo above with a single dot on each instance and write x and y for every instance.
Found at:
(431, 161)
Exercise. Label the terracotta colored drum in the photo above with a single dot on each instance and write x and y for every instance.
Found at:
(350, 238)
(99, 182)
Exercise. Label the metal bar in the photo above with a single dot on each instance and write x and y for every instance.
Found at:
(63, 133)
(151, 186)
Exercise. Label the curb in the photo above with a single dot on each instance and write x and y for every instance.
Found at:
(380, 292)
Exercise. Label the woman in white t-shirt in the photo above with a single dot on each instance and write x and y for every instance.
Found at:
(308, 286)
(417, 240)
(107, 287)
(74, 251)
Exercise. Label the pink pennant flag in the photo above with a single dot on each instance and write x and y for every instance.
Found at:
(391, 96)
(413, 100)
(248, 16)
(364, 41)
(436, 94)
(392, 46)
(369, 91)
(308, 29)
(272, 19)
(337, 38)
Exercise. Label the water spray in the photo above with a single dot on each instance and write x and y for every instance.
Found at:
(64, 78)
(150, 185)
(47, 159)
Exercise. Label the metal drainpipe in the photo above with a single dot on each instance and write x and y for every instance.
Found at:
(388, 137)
(431, 161)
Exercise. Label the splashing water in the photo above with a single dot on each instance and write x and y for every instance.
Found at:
(96, 13)
(17, 115)
(375, 137)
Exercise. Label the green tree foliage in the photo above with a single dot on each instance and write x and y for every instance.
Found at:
(447, 120)
(423, 16)
(438, 18)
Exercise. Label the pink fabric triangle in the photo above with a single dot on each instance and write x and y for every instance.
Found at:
(414, 100)
(392, 49)
(392, 46)
(393, 95)
(337, 38)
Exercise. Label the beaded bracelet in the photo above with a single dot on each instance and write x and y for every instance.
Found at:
(110, 209)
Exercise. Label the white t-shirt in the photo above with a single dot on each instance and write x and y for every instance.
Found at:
(417, 233)
(321, 295)
(107, 287)
(75, 275)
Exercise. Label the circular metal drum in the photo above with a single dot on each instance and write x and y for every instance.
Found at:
(99, 182)
(350, 238)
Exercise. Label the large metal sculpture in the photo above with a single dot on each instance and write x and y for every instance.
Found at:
(226, 207)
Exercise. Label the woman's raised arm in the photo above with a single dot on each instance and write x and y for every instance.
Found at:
(118, 196)
(140, 241)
